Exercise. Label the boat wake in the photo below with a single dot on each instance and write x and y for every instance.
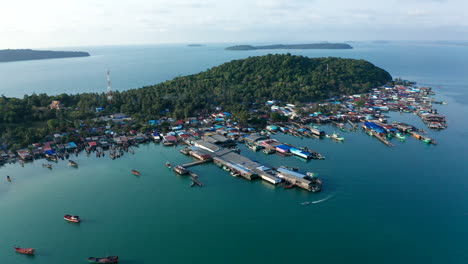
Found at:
(322, 200)
(318, 201)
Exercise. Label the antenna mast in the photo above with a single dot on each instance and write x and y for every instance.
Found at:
(109, 89)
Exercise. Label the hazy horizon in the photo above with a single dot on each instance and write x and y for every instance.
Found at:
(54, 23)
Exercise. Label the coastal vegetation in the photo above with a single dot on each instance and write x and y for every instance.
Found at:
(8, 55)
(237, 86)
(293, 46)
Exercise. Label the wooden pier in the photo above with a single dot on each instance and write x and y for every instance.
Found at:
(382, 138)
(353, 126)
(195, 179)
(194, 163)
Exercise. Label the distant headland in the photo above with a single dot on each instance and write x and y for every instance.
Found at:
(293, 46)
(8, 55)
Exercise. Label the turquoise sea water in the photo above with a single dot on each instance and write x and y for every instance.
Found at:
(406, 204)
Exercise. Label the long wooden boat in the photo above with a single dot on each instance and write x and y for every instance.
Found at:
(72, 218)
(136, 173)
(26, 251)
(110, 259)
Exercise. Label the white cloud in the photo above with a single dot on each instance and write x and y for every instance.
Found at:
(89, 22)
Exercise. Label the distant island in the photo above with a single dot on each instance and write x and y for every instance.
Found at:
(195, 45)
(293, 46)
(8, 55)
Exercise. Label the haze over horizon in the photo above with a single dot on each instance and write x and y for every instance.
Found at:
(55, 23)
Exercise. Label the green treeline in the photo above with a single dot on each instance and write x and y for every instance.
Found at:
(236, 86)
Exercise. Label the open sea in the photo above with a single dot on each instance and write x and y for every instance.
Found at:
(405, 204)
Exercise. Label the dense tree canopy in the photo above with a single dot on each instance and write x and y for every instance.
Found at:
(235, 86)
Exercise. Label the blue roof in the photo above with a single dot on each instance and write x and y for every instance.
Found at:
(50, 152)
(284, 147)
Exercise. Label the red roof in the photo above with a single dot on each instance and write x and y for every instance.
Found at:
(92, 143)
(184, 136)
(170, 138)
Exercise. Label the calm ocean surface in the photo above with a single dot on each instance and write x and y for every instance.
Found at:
(406, 204)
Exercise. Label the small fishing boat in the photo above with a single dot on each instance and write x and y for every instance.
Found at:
(289, 186)
(426, 139)
(110, 259)
(72, 218)
(311, 174)
(168, 165)
(72, 163)
(8, 178)
(269, 151)
(336, 137)
(305, 203)
(400, 136)
(316, 185)
(290, 168)
(26, 251)
(49, 166)
(235, 173)
(136, 173)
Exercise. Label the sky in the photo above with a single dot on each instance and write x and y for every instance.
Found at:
(61, 23)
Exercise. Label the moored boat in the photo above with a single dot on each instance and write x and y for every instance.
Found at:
(400, 136)
(336, 137)
(72, 218)
(136, 173)
(72, 163)
(426, 139)
(168, 164)
(26, 251)
(316, 184)
(49, 166)
(8, 178)
(109, 259)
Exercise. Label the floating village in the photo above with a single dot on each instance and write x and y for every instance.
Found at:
(214, 137)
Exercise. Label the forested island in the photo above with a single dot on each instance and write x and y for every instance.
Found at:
(293, 46)
(8, 55)
(238, 86)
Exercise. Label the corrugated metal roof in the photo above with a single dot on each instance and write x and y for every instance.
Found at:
(291, 173)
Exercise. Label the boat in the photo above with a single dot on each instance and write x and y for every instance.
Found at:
(72, 218)
(305, 203)
(316, 185)
(336, 137)
(269, 151)
(49, 166)
(8, 178)
(168, 165)
(226, 168)
(290, 168)
(400, 136)
(136, 173)
(289, 186)
(72, 163)
(426, 139)
(109, 259)
(26, 251)
(343, 129)
(235, 173)
(311, 174)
